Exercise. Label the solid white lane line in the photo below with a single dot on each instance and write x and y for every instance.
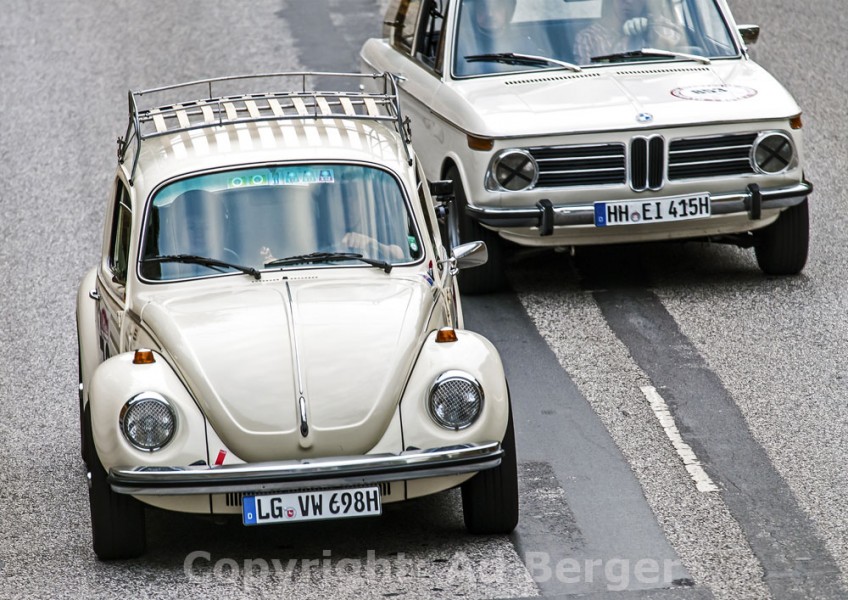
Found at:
(690, 461)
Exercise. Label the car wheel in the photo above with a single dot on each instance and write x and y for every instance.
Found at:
(117, 520)
(490, 498)
(461, 229)
(781, 248)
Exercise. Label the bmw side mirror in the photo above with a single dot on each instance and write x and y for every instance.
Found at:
(441, 190)
(442, 193)
(750, 34)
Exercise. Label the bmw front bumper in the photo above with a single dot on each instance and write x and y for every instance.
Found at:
(545, 215)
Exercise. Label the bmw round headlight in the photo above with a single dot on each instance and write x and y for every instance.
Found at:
(773, 153)
(455, 400)
(148, 421)
(514, 170)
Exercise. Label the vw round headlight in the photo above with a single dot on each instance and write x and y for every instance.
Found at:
(455, 400)
(514, 170)
(148, 421)
(773, 153)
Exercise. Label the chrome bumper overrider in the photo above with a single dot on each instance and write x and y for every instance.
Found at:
(308, 473)
(545, 215)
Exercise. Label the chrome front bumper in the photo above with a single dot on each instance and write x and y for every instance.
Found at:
(545, 215)
(326, 472)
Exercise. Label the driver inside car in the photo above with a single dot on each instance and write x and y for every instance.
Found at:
(487, 28)
(625, 25)
(492, 16)
(355, 242)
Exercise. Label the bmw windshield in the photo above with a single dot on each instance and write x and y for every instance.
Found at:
(501, 36)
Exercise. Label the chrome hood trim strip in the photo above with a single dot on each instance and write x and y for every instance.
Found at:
(300, 394)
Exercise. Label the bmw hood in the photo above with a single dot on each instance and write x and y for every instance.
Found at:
(295, 369)
(616, 98)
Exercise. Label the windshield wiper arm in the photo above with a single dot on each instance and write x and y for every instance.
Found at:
(202, 260)
(651, 52)
(515, 58)
(317, 257)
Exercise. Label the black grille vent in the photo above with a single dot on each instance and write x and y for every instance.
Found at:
(660, 71)
(713, 156)
(647, 163)
(549, 78)
(568, 166)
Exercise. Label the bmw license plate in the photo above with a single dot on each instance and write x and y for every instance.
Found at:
(656, 210)
(311, 506)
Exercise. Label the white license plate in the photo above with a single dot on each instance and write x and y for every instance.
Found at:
(311, 506)
(657, 210)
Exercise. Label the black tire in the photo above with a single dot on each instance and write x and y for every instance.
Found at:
(117, 520)
(485, 278)
(490, 498)
(781, 248)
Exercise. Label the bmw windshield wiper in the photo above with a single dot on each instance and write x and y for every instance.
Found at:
(317, 257)
(202, 260)
(515, 58)
(649, 52)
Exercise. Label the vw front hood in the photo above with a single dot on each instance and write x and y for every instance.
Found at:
(248, 355)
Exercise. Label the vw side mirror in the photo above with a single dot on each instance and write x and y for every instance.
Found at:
(472, 254)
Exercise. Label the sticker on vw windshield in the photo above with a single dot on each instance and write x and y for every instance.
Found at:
(714, 93)
(287, 176)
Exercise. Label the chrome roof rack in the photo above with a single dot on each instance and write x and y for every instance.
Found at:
(305, 103)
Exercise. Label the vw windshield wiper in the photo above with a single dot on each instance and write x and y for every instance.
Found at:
(317, 257)
(202, 260)
(515, 58)
(649, 52)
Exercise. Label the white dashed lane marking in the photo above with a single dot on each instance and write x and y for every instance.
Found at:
(687, 455)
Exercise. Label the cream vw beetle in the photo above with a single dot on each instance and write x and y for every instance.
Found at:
(273, 330)
(572, 122)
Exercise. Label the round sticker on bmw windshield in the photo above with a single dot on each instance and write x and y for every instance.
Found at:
(714, 93)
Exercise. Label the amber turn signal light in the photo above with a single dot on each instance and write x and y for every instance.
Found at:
(143, 357)
(480, 143)
(795, 122)
(446, 334)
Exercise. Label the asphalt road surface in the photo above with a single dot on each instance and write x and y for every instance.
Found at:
(681, 419)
